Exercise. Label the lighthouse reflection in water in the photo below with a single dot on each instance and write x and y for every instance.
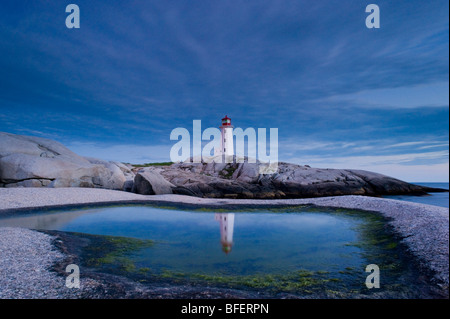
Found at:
(185, 244)
(226, 221)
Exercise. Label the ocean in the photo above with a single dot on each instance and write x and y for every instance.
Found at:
(437, 199)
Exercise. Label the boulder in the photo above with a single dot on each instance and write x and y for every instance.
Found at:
(35, 146)
(150, 182)
(30, 183)
(114, 180)
(128, 185)
(126, 170)
(39, 162)
(243, 180)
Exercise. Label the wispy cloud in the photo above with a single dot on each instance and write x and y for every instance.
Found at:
(132, 73)
(369, 160)
(359, 146)
(416, 96)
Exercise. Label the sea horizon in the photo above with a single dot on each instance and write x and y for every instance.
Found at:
(436, 199)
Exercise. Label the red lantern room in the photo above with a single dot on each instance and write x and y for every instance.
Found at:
(226, 121)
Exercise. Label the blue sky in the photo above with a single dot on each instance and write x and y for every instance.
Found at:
(341, 95)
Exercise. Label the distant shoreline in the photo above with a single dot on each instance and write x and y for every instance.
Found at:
(437, 199)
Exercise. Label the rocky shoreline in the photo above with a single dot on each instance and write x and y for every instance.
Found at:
(423, 229)
(243, 180)
(38, 173)
(28, 161)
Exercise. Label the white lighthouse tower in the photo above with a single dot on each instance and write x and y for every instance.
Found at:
(226, 221)
(227, 147)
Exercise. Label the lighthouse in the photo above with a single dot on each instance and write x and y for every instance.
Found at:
(226, 129)
(226, 221)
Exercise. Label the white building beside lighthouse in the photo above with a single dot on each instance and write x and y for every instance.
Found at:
(226, 129)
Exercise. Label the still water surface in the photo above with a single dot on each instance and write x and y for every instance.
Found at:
(436, 199)
(329, 248)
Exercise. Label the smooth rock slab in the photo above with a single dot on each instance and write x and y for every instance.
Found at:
(290, 181)
(29, 161)
(150, 182)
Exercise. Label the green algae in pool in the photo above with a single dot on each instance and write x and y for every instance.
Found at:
(293, 250)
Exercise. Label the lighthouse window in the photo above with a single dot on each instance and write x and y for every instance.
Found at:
(224, 139)
(224, 149)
